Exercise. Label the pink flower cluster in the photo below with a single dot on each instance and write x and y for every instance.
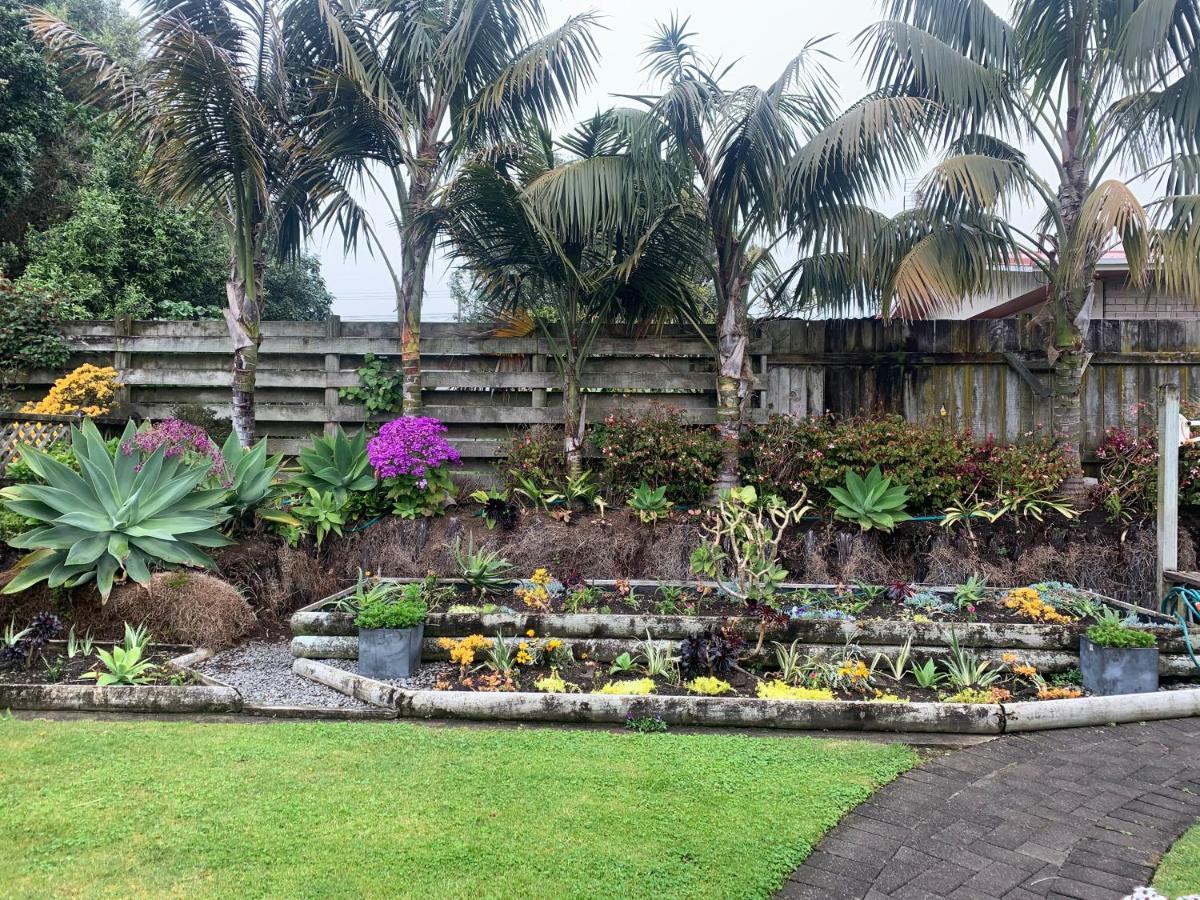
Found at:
(410, 445)
(179, 439)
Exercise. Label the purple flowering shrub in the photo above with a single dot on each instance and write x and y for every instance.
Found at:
(180, 439)
(412, 460)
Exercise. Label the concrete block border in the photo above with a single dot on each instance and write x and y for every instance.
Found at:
(949, 718)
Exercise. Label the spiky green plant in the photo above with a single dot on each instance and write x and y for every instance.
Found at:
(116, 517)
(871, 502)
(337, 464)
(252, 477)
(486, 571)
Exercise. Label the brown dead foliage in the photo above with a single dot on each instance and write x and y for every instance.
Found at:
(176, 607)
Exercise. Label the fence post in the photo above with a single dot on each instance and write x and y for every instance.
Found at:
(1168, 484)
(122, 360)
(538, 364)
(333, 368)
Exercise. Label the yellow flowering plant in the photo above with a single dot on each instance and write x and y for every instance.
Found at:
(464, 650)
(88, 390)
(778, 690)
(1028, 602)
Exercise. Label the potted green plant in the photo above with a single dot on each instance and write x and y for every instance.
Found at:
(1117, 659)
(391, 629)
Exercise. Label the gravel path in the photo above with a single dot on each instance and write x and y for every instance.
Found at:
(262, 672)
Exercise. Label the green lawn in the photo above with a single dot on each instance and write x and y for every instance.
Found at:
(1179, 872)
(384, 809)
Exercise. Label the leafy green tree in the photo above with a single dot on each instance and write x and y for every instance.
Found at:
(218, 112)
(295, 291)
(412, 85)
(568, 276)
(31, 105)
(1103, 88)
(125, 252)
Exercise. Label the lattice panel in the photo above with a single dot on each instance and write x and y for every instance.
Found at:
(39, 433)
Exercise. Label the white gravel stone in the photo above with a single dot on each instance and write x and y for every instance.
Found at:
(262, 672)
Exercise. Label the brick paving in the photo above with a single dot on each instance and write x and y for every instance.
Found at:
(1083, 813)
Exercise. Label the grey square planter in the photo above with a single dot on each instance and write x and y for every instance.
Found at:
(388, 653)
(1118, 670)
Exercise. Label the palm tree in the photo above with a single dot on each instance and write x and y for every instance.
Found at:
(572, 276)
(768, 166)
(411, 86)
(211, 100)
(1101, 87)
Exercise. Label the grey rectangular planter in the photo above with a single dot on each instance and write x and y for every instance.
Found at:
(1108, 671)
(390, 652)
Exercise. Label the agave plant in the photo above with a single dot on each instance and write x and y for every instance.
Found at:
(871, 502)
(486, 571)
(114, 518)
(336, 464)
(252, 477)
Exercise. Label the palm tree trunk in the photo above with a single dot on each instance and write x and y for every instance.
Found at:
(243, 315)
(415, 259)
(734, 378)
(416, 245)
(1067, 389)
(573, 424)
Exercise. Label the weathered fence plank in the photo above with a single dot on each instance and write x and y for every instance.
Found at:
(989, 376)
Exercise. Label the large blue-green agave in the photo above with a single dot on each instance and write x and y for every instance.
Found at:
(116, 516)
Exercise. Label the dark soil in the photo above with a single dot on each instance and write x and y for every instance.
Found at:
(51, 666)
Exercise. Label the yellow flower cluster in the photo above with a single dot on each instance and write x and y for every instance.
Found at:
(524, 657)
(1029, 603)
(542, 578)
(855, 670)
(778, 690)
(553, 644)
(463, 651)
(536, 597)
(89, 390)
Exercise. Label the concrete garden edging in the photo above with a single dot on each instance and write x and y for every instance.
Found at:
(608, 649)
(837, 715)
(211, 696)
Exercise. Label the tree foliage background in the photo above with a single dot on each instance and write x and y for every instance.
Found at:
(78, 226)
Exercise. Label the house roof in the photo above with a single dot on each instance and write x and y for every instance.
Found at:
(1112, 262)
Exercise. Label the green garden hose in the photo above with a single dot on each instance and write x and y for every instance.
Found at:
(1184, 604)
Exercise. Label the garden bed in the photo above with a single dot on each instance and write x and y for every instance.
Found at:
(173, 687)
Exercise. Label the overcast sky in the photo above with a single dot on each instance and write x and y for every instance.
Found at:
(761, 35)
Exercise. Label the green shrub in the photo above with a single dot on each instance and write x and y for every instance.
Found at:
(787, 455)
(406, 611)
(1034, 464)
(1116, 635)
(536, 454)
(660, 449)
(938, 465)
(29, 335)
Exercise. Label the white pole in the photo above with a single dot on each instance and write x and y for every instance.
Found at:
(1168, 483)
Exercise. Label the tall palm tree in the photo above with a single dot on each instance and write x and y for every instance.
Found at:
(211, 100)
(1102, 87)
(769, 166)
(572, 276)
(410, 86)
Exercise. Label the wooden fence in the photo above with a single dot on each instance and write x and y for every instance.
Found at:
(989, 376)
